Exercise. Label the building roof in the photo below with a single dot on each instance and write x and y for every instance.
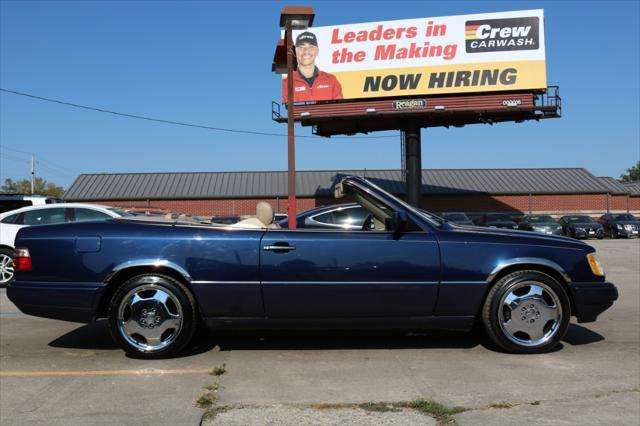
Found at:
(633, 188)
(614, 186)
(205, 185)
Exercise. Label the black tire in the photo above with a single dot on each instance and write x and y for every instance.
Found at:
(6, 267)
(496, 319)
(137, 314)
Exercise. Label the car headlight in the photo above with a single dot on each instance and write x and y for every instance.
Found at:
(596, 267)
(579, 229)
(620, 227)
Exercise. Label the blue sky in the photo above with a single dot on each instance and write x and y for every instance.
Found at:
(209, 63)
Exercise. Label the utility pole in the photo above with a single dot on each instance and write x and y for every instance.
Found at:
(33, 174)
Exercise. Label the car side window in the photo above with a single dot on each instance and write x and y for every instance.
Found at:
(354, 217)
(325, 218)
(45, 216)
(11, 219)
(88, 214)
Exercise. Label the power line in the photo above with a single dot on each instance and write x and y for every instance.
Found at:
(11, 157)
(39, 160)
(54, 171)
(15, 150)
(177, 123)
(54, 166)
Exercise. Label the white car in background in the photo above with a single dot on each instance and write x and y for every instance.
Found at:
(46, 214)
(16, 201)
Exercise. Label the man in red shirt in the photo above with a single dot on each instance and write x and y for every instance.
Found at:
(309, 83)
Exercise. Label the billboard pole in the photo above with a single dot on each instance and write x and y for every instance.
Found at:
(413, 161)
(291, 18)
(291, 157)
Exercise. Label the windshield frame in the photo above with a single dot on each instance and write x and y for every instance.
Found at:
(430, 218)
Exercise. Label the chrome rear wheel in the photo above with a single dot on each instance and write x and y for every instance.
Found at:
(152, 316)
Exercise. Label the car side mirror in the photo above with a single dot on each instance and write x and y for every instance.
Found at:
(396, 223)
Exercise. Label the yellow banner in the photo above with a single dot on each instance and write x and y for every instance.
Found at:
(461, 78)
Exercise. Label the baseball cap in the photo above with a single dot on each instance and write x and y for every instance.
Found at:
(306, 37)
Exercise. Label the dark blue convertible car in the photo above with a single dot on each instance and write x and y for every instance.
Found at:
(155, 281)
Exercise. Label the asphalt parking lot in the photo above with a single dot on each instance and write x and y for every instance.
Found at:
(58, 373)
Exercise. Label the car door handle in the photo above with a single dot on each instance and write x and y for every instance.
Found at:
(279, 248)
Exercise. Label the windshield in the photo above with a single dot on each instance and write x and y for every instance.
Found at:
(623, 217)
(498, 216)
(540, 219)
(455, 216)
(430, 217)
(578, 219)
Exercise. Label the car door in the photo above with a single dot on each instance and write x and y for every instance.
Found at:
(348, 274)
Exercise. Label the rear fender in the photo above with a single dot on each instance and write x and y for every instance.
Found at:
(148, 263)
(126, 270)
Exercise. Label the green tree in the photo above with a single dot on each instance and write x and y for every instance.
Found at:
(42, 187)
(632, 175)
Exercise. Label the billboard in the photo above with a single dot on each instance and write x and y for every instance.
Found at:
(419, 57)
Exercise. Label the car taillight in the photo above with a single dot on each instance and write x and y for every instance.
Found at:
(21, 259)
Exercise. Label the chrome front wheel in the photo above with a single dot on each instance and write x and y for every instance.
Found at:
(527, 312)
(152, 316)
(530, 313)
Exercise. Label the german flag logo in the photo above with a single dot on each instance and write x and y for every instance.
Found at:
(470, 31)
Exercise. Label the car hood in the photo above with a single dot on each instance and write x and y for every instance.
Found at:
(585, 224)
(513, 236)
(549, 224)
(500, 223)
(627, 222)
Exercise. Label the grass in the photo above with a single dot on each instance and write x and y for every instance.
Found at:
(212, 412)
(379, 407)
(335, 406)
(213, 387)
(206, 400)
(440, 412)
(218, 370)
(209, 397)
(503, 404)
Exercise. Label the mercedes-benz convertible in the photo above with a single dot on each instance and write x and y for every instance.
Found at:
(406, 269)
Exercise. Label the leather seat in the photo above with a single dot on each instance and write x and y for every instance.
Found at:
(264, 218)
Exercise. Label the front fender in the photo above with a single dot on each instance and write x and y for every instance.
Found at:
(528, 261)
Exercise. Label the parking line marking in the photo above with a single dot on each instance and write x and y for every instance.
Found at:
(143, 372)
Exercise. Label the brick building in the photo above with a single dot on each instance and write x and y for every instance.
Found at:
(550, 191)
